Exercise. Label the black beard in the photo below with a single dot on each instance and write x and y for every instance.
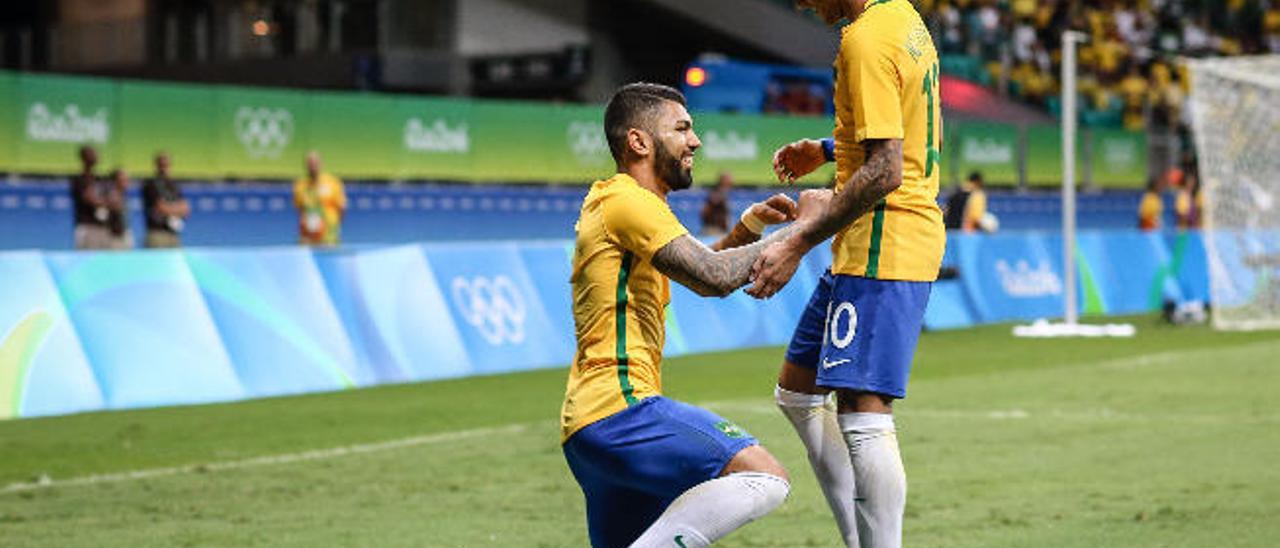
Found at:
(670, 171)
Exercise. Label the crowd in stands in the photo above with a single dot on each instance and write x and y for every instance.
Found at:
(1129, 65)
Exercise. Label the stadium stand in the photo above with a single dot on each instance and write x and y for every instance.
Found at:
(1131, 76)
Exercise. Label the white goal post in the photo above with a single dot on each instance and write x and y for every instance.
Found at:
(1235, 116)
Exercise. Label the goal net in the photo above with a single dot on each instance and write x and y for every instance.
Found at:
(1235, 110)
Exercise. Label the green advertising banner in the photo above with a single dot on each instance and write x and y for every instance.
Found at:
(8, 119)
(434, 139)
(58, 114)
(356, 136)
(577, 145)
(743, 146)
(511, 142)
(172, 118)
(1118, 158)
(990, 149)
(219, 131)
(1044, 156)
(263, 133)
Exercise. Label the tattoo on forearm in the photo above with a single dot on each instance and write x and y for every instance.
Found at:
(880, 175)
(708, 272)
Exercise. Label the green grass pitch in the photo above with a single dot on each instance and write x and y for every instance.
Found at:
(1168, 439)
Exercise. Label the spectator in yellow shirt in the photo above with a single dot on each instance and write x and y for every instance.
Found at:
(1188, 202)
(967, 206)
(321, 201)
(1151, 209)
(1134, 90)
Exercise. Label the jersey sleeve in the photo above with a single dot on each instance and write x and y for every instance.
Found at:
(640, 222)
(873, 83)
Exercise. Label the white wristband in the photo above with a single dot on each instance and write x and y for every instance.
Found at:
(752, 222)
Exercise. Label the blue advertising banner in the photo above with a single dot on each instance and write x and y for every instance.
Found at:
(1121, 265)
(550, 264)
(949, 306)
(276, 321)
(1189, 264)
(1240, 280)
(1010, 276)
(495, 307)
(145, 328)
(87, 330)
(43, 370)
(397, 317)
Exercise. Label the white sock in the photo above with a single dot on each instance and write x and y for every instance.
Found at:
(879, 477)
(714, 508)
(815, 422)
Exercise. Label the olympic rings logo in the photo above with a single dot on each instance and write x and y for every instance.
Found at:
(494, 307)
(264, 132)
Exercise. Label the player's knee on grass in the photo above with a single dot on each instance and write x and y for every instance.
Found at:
(755, 459)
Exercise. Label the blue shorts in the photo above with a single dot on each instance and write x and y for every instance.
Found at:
(631, 465)
(860, 334)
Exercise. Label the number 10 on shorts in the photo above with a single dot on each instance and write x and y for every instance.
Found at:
(839, 330)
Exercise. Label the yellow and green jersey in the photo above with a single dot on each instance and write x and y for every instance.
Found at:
(320, 207)
(887, 88)
(619, 301)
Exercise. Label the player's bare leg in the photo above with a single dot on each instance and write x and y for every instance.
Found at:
(806, 406)
(881, 482)
(751, 485)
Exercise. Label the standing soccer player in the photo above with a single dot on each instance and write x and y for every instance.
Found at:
(657, 472)
(858, 334)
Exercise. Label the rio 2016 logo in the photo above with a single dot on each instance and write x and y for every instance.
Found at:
(436, 136)
(586, 140)
(493, 306)
(1023, 281)
(68, 125)
(265, 132)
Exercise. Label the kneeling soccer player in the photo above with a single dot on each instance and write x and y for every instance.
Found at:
(657, 472)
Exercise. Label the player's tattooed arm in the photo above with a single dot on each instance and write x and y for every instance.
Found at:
(708, 272)
(718, 273)
(880, 175)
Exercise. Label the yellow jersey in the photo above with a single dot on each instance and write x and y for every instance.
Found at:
(320, 208)
(887, 88)
(975, 208)
(619, 301)
(1150, 211)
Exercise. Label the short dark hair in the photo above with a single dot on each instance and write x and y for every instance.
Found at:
(632, 106)
(975, 176)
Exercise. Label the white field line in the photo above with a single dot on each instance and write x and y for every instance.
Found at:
(1086, 415)
(267, 460)
(762, 406)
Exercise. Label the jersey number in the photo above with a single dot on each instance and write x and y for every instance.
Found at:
(933, 147)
